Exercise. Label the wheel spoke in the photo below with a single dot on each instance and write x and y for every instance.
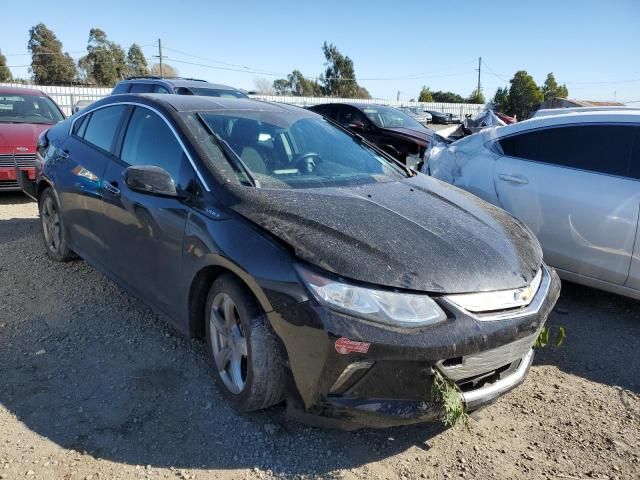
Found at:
(240, 346)
(46, 208)
(236, 375)
(229, 313)
(223, 357)
(55, 236)
(217, 322)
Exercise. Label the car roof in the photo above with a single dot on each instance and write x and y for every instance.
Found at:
(570, 118)
(352, 104)
(545, 112)
(180, 82)
(197, 103)
(21, 91)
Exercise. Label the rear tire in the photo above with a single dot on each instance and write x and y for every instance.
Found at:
(244, 354)
(54, 234)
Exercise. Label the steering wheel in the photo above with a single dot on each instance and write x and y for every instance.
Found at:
(307, 162)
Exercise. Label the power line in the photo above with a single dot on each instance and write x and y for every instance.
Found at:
(41, 53)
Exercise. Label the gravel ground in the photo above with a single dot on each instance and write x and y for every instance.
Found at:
(94, 385)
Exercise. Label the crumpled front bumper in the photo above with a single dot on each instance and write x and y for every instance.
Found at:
(386, 378)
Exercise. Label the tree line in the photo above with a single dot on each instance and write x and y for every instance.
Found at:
(105, 63)
(523, 94)
(520, 98)
(337, 80)
(426, 95)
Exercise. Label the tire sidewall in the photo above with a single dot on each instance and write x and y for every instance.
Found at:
(253, 323)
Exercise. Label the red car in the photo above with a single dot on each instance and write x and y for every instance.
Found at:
(24, 114)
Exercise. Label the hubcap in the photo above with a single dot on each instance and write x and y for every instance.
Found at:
(228, 343)
(51, 224)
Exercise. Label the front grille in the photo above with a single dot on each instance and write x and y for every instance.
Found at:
(24, 160)
(484, 362)
(9, 185)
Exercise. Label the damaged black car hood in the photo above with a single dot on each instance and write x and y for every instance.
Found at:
(418, 234)
(421, 135)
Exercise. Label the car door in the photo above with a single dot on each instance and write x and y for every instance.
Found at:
(570, 185)
(633, 281)
(83, 159)
(143, 233)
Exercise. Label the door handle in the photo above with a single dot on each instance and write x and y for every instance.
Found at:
(112, 188)
(513, 179)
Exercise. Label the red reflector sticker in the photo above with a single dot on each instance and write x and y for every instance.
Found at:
(345, 346)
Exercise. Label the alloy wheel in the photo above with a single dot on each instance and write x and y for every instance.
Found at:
(228, 343)
(51, 224)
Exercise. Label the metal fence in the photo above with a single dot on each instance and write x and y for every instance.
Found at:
(460, 109)
(67, 97)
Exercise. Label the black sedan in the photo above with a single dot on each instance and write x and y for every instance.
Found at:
(443, 118)
(392, 130)
(319, 269)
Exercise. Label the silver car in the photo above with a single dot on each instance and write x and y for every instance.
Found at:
(420, 115)
(573, 178)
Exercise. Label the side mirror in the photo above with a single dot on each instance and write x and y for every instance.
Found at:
(150, 179)
(357, 125)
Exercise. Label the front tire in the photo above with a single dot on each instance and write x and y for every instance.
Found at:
(243, 349)
(53, 232)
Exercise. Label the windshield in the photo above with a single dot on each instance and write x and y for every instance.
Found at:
(387, 117)
(288, 150)
(217, 92)
(28, 109)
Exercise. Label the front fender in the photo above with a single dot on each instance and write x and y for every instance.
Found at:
(235, 245)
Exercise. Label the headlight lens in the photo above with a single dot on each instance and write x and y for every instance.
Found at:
(391, 308)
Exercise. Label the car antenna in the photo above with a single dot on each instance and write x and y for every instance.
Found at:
(226, 148)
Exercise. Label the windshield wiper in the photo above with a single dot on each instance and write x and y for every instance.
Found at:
(231, 155)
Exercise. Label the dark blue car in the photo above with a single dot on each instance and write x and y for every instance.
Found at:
(319, 269)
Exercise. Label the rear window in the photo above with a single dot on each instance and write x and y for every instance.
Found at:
(141, 88)
(121, 88)
(101, 128)
(211, 92)
(597, 148)
(28, 109)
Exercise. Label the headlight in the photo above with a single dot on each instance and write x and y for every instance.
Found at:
(383, 306)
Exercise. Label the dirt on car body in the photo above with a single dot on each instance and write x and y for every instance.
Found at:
(94, 385)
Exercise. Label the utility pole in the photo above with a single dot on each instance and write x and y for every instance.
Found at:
(479, 68)
(160, 57)
(398, 96)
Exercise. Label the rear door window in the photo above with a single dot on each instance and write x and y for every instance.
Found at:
(349, 115)
(634, 168)
(149, 141)
(596, 148)
(100, 129)
(160, 89)
(142, 88)
(121, 88)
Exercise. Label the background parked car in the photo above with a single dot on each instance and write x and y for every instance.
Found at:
(299, 253)
(443, 118)
(24, 114)
(80, 104)
(386, 127)
(573, 178)
(421, 116)
(177, 85)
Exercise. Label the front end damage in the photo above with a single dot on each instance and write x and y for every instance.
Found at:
(350, 373)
